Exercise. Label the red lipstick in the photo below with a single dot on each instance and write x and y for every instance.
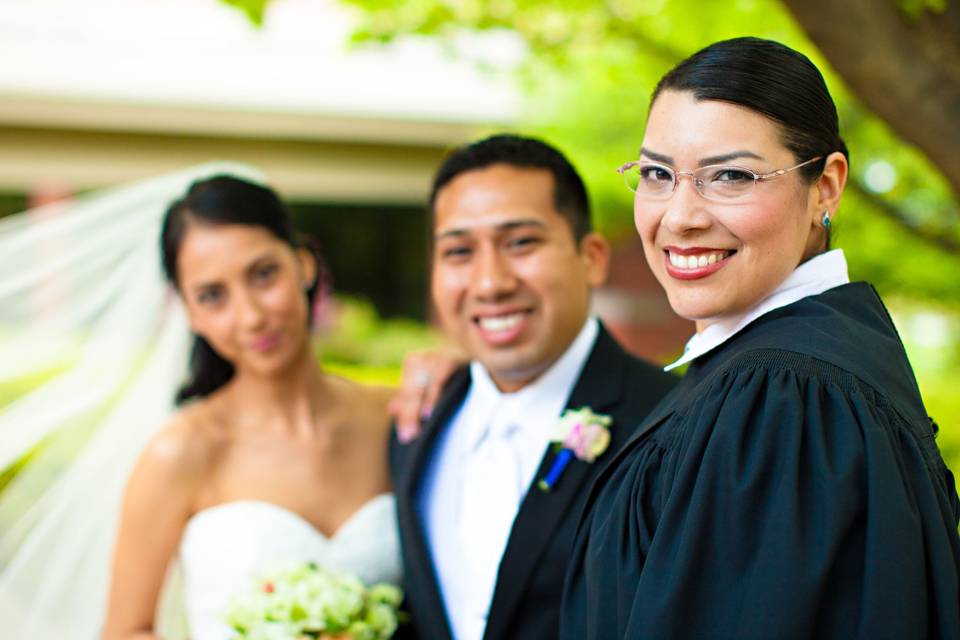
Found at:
(694, 273)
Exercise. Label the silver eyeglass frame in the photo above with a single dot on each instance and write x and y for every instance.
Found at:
(698, 181)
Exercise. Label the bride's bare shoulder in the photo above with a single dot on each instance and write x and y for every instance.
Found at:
(365, 404)
(187, 445)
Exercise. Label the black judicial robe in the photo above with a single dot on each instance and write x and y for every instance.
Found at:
(790, 487)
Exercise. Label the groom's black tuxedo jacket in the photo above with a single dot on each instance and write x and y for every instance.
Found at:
(526, 599)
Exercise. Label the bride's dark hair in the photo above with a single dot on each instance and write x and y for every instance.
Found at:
(222, 200)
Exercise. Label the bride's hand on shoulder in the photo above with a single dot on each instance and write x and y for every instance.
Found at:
(159, 499)
(424, 375)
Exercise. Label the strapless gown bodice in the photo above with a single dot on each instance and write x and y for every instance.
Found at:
(224, 546)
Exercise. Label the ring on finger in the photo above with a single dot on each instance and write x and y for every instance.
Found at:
(422, 378)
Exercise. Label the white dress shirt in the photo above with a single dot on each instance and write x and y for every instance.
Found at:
(813, 277)
(503, 437)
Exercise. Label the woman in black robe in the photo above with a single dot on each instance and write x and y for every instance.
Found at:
(790, 486)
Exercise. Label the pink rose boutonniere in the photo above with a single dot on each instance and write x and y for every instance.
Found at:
(580, 433)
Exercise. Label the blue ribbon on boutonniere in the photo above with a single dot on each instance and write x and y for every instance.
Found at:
(580, 434)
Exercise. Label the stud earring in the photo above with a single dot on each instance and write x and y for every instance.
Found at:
(826, 226)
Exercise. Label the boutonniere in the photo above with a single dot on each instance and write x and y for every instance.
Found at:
(580, 433)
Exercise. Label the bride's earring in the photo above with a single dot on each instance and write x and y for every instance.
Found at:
(826, 227)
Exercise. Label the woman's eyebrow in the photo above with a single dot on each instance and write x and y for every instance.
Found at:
(258, 261)
(658, 157)
(727, 157)
(703, 162)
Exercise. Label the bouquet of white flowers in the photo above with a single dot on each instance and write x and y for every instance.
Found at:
(305, 601)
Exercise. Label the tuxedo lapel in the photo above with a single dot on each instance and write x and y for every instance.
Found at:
(423, 592)
(422, 447)
(599, 387)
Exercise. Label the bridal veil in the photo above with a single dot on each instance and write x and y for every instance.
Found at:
(93, 344)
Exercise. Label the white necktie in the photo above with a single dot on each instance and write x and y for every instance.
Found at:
(491, 497)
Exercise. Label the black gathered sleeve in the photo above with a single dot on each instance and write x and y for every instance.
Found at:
(776, 502)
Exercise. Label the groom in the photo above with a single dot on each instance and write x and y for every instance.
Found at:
(514, 260)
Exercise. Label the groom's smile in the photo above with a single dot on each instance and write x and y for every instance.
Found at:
(502, 328)
(510, 282)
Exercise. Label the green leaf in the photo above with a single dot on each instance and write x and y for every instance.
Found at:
(914, 9)
(253, 9)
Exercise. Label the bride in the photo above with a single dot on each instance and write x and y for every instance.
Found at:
(269, 459)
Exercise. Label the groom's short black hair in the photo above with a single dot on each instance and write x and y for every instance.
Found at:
(569, 192)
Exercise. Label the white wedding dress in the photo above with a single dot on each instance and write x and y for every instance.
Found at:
(225, 546)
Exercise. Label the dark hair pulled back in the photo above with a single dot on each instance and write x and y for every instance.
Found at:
(224, 200)
(771, 79)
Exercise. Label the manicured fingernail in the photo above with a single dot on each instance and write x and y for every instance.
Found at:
(404, 434)
(426, 412)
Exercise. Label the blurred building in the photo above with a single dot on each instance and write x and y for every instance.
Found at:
(99, 92)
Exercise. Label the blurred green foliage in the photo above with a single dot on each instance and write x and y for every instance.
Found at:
(253, 9)
(931, 334)
(362, 346)
(915, 8)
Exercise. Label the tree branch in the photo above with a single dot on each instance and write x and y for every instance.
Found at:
(891, 212)
(907, 71)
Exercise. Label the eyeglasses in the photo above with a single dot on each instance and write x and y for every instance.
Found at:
(719, 183)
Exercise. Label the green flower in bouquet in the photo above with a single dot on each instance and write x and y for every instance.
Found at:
(305, 601)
